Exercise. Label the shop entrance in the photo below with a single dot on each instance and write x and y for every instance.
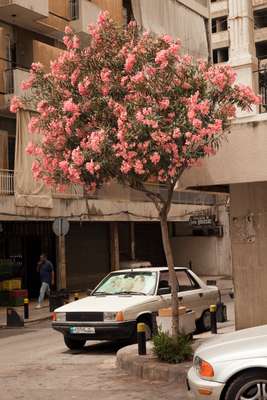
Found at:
(25, 241)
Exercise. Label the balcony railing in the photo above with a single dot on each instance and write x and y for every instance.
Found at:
(262, 77)
(7, 76)
(74, 9)
(6, 182)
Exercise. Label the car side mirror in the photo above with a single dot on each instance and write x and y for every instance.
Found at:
(164, 290)
(89, 292)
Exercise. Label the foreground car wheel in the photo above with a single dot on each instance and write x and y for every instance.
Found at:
(203, 324)
(74, 344)
(251, 385)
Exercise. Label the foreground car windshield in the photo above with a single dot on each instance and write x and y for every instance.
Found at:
(128, 283)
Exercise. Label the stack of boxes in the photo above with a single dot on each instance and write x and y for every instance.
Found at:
(11, 293)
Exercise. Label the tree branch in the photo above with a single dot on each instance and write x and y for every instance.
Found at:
(156, 198)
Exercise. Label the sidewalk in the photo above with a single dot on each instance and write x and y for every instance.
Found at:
(149, 367)
(35, 315)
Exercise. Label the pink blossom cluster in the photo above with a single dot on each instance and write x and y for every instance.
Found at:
(127, 106)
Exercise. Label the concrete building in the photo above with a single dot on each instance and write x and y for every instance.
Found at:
(239, 37)
(116, 224)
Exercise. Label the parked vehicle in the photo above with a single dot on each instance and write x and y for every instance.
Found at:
(231, 367)
(126, 297)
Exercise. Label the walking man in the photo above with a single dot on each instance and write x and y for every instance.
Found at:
(47, 277)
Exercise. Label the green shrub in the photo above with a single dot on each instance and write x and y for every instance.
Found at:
(172, 349)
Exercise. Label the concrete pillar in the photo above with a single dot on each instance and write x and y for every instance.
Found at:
(248, 218)
(132, 240)
(114, 246)
(61, 276)
(242, 51)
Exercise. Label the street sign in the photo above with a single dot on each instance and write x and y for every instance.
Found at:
(202, 220)
(61, 226)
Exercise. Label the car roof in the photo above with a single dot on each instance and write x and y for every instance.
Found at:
(148, 269)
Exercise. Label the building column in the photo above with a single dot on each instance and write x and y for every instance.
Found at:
(61, 276)
(114, 246)
(242, 51)
(132, 231)
(248, 236)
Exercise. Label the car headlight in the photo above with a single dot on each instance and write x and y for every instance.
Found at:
(203, 368)
(109, 316)
(59, 317)
(113, 316)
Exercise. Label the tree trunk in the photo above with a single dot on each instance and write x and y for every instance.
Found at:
(173, 277)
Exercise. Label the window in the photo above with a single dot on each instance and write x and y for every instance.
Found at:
(260, 18)
(127, 283)
(74, 9)
(221, 55)
(219, 24)
(185, 281)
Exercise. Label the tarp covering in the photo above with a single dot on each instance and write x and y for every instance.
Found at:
(3, 150)
(28, 192)
(173, 18)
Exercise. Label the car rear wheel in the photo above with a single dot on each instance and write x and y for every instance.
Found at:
(203, 323)
(251, 385)
(74, 344)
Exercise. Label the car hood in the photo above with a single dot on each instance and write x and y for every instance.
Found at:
(106, 303)
(243, 344)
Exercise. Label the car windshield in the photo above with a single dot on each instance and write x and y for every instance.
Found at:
(138, 283)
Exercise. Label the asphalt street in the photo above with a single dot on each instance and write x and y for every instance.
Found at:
(36, 365)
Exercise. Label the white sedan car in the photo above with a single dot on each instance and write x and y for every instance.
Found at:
(126, 297)
(231, 367)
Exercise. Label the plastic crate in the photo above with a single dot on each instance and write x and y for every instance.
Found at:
(4, 298)
(18, 293)
(10, 284)
(16, 297)
(16, 302)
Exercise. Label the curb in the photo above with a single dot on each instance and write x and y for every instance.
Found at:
(149, 367)
(4, 326)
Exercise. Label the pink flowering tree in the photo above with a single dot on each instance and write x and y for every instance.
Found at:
(129, 107)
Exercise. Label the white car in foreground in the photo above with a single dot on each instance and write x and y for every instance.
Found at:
(126, 297)
(231, 367)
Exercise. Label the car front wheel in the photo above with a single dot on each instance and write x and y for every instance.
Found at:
(251, 385)
(74, 344)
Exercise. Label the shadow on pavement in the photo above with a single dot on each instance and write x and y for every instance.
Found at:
(99, 348)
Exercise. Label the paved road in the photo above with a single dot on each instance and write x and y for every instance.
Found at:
(35, 365)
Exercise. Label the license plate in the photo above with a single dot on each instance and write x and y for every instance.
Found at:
(82, 329)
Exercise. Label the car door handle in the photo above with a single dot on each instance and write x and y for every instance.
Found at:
(200, 294)
(180, 298)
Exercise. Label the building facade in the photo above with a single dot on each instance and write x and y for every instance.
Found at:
(239, 37)
(115, 224)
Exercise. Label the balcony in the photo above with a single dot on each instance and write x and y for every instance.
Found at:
(219, 8)
(10, 80)
(23, 13)
(83, 12)
(220, 39)
(6, 182)
(259, 3)
(262, 79)
(260, 34)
